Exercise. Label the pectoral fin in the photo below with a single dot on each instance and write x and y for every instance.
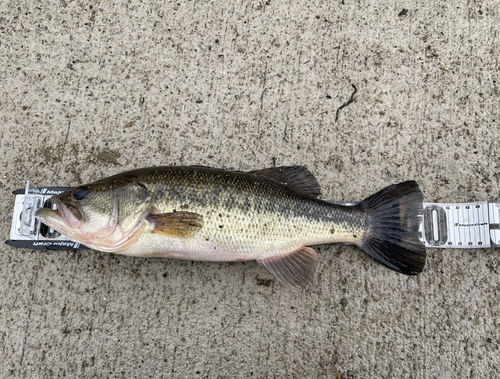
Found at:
(295, 269)
(176, 224)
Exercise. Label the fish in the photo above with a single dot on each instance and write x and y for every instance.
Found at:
(272, 216)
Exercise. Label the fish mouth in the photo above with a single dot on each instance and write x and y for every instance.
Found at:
(66, 215)
(53, 219)
(45, 215)
(71, 215)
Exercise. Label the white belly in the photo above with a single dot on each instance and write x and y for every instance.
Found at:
(196, 249)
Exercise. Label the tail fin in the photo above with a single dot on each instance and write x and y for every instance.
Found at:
(392, 239)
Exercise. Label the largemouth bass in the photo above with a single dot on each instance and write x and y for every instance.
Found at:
(271, 216)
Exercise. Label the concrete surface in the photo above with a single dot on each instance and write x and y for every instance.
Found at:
(89, 89)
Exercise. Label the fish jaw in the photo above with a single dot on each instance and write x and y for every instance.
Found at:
(56, 220)
(66, 219)
(70, 214)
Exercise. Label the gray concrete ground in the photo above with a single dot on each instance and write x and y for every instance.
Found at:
(89, 89)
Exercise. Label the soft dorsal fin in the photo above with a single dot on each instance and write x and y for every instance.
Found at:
(295, 269)
(176, 224)
(297, 178)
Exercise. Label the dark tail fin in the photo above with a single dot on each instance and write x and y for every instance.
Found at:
(394, 217)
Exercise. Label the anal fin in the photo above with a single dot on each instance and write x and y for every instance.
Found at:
(176, 224)
(295, 269)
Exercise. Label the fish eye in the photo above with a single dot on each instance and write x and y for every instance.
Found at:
(80, 192)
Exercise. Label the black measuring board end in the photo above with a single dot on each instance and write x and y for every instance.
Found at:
(46, 245)
(43, 191)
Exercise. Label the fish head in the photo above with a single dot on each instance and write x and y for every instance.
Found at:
(104, 215)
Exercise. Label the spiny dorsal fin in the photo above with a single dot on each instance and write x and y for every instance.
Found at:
(176, 224)
(297, 178)
(295, 269)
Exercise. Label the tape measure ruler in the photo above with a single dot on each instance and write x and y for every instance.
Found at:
(444, 225)
(461, 225)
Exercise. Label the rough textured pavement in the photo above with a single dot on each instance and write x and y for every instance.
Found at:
(89, 89)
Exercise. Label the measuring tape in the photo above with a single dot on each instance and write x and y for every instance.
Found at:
(444, 225)
(461, 225)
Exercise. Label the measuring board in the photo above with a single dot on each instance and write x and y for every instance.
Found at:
(27, 231)
(443, 225)
(461, 225)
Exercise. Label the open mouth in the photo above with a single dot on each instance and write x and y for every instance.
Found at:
(49, 217)
(65, 214)
(70, 214)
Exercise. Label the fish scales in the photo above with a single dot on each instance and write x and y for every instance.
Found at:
(246, 217)
(269, 215)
